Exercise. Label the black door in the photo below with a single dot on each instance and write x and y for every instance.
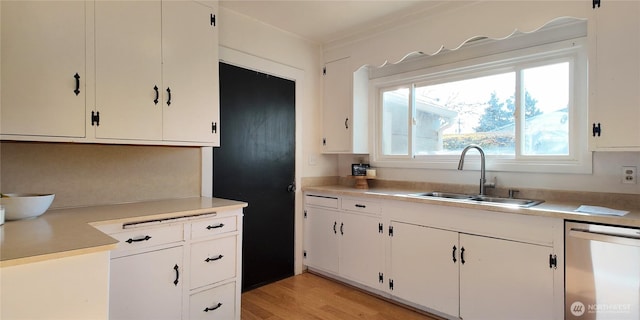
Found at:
(255, 163)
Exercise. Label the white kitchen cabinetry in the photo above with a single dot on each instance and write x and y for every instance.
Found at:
(147, 285)
(476, 264)
(493, 270)
(347, 242)
(455, 262)
(345, 116)
(177, 268)
(156, 71)
(425, 266)
(41, 95)
(615, 79)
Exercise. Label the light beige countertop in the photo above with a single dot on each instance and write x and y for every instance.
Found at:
(65, 232)
(553, 208)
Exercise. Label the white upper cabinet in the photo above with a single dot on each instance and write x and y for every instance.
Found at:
(344, 112)
(157, 71)
(615, 80)
(135, 72)
(43, 49)
(190, 69)
(128, 68)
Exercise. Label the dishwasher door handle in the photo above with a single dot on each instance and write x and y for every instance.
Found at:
(604, 237)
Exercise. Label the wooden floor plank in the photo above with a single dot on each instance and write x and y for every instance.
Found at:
(311, 297)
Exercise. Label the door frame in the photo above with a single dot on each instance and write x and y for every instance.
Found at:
(248, 61)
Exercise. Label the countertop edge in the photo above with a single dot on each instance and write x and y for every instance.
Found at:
(554, 209)
(51, 235)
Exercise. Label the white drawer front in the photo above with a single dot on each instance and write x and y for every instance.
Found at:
(323, 201)
(359, 205)
(213, 261)
(148, 237)
(211, 227)
(216, 303)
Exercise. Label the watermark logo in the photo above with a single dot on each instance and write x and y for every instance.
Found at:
(577, 308)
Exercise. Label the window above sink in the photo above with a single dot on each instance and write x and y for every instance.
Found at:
(522, 99)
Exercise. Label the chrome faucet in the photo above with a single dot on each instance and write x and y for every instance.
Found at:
(483, 180)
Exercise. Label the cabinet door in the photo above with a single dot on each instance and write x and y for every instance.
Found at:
(147, 285)
(361, 248)
(502, 279)
(617, 80)
(43, 48)
(128, 68)
(337, 103)
(424, 266)
(190, 72)
(321, 239)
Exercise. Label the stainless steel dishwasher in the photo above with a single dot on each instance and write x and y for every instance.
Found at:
(602, 272)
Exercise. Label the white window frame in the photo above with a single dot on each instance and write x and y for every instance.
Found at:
(468, 64)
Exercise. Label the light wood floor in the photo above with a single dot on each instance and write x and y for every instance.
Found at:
(308, 296)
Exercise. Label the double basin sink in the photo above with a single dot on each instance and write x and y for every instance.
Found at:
(478, 199)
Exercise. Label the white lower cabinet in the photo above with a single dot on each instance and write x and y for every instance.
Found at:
(502, 279)
(458, 263)
(178, 268)
(147, 285)
(348, 242)
(425, 266)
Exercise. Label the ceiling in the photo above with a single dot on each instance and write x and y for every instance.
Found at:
(325, 21)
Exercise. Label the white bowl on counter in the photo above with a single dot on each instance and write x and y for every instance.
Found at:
(19, 206)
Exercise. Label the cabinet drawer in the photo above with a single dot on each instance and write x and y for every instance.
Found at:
(363, 206)
(148, 237)
(213, 261)
(216, 303)
(322, 201)
(211, 227)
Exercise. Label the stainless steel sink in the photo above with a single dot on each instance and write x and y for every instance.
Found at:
(445, 195)
(467, 198)
(507, 201)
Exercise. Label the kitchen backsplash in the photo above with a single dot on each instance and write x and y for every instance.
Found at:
(94, 174)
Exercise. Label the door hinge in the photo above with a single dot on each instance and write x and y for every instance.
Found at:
(95, 118)
(324, 71)
(390, 231)
(380, 228)
(391, 284)
(214, 127)
(304, 254)
(213, 19)
(305, 214)
(553, 261)
(380, 277)
(596, 129)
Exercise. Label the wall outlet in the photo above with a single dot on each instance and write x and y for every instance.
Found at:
(629, 174)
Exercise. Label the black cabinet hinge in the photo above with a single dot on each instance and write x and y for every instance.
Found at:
(596, 129)
(380, 277)
(304, 253)
(380, 228)
(324, 141)
(324, 71)
(305, 214)
(213, 19)
(596, 3)
(95, 118)
(390, 231)
(391, 284)
(553, 261)
(214, 127)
